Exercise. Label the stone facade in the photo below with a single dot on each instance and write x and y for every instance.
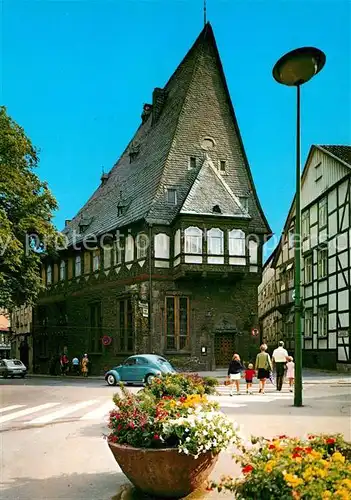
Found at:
(183, 184)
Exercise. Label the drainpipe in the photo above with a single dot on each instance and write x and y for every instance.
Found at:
(150, 288)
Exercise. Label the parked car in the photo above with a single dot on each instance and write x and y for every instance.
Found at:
(139, 369)
(12, 368)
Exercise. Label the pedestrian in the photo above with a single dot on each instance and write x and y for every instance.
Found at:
(290, 372)
(234, 373)
(263, 366)
(64, 363)
(75, 365)
(250, 373)
(280, 356)
(84, 365)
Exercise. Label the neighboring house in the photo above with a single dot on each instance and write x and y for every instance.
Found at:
(182, 201)
(5, 345)
(21, 339)
(326, 264)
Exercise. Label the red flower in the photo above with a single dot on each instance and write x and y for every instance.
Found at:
(271, 447)
(283, 436)
(113, 439)
(247, 469)
(296, 455)
(308, 450)
(156, 437)
(331, 441)
(311, 436)
(131, 425)
(297, 449)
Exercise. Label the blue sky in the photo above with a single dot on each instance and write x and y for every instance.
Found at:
(76, 74)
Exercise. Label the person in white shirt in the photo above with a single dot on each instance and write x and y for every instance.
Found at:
(280, 357)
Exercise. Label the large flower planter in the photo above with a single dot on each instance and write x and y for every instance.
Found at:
(165, 472)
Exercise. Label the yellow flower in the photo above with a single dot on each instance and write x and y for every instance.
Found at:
(322, 473)
(325, 463)
(347, 483)
(326, 495)
(292, 480)
(308, 474)
(270, 465)
(342, 494)
(338, 457)
(316, 454)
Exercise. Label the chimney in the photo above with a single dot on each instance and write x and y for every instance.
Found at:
(147, 108)
(104, 178)
(158, 100)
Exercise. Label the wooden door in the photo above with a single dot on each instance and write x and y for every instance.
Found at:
(224, 349)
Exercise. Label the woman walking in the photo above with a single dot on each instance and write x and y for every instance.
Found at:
(263, 366)
(85, 363)
(234, 373)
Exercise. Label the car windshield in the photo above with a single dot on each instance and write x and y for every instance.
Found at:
(14, 362)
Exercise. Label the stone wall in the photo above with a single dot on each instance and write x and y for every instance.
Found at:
(215, 306)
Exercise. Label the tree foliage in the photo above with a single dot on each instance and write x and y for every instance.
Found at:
(26, 207)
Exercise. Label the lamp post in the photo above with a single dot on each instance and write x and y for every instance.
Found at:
(294, 69)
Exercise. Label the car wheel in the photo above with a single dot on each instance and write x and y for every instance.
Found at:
(23, 375)
(5, 375)
(12, 376)
(149, 379)
(111, 380)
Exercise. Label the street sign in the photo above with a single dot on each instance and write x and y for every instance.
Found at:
(254, 332)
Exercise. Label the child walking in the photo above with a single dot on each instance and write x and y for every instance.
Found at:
(234, 370)
(290, 372)
(250, 373)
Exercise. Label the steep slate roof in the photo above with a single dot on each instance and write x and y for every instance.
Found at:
(164, 146)
(342, 153)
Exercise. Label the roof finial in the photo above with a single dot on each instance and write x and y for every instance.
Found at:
(205, 19)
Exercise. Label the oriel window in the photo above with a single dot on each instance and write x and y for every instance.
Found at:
(177, 323)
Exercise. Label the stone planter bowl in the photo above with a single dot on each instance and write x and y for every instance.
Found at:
(164, 473)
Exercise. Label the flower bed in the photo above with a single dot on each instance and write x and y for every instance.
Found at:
(315, 468)
(190, 423)
(178, 385)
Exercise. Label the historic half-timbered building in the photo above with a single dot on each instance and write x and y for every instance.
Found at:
(166, 256)
(326, 265)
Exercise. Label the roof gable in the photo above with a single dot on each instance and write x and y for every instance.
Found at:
(210, 190)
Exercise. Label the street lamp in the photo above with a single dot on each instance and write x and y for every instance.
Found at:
(294, 69)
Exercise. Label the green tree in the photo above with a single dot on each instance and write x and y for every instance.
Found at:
(26, 207)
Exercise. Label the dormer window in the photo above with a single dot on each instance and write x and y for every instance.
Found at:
(192, 162)
(172, 196)
(120, 210)
(216, 209)
(133, 152)
(222, 166)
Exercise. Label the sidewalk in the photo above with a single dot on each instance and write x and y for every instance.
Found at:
(310, 376)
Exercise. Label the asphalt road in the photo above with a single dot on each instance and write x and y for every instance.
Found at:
(51, 433)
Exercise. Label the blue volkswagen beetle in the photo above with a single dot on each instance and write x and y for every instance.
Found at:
(139, 369)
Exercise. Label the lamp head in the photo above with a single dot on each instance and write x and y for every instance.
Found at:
(299, 66)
